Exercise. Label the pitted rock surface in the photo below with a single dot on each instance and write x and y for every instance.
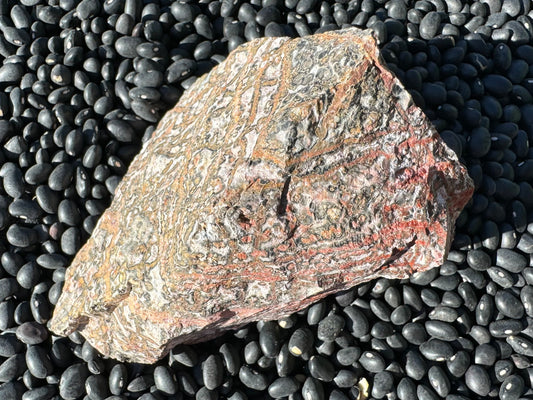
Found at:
(294, 169)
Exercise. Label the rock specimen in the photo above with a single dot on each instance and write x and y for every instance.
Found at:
(294, 169)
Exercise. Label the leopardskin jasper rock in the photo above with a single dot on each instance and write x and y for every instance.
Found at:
(294, 169)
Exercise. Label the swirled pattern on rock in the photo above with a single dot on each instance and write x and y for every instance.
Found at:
(294, 169)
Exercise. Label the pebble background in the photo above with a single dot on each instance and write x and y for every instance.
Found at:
(83, 84)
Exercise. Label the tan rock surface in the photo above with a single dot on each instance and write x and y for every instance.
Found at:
(295, 169)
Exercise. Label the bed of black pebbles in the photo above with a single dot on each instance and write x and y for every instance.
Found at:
(82, 84)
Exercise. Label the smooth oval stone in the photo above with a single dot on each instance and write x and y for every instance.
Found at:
(436, 350)
(61, 176)
(9, 345)
(11, 73)
(72, 383)
(383, 384)
(38, 362)
(126, 46)
(31, 333)
(508, 304)
(312, 389)
(478, 260)
(301, 341)
(505, 327)
(12, 367)
(253, 379)
(414, 333)
(521, 345)
(458, 363)
(406, 389)
(346, 378)
(212, 372)
(415, 365)
(477, 379)
(512, 388)
(441, 330)
(497, 85)
(118, 377)
(439, 381)
(140, 384)
(180, 70)
(96, 387)
(269, 339)
(358, 323)
(372, 361)
(348, 355)
(283, 387)
(510, 260)
(320, 368)
(38, 173)
(429, 25)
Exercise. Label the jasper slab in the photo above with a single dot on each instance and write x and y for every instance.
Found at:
(295, 169)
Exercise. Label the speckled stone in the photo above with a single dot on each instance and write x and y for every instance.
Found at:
(294, 169)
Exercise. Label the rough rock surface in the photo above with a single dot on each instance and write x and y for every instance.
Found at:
(295, 169)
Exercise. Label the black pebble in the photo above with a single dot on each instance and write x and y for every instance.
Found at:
(458, 363)
(60, 177)
(406, 389)
(372, 361)
(140, 383)
(477, 380)
(212, 372)
(330, 327)
(126, 46)
(430, 25)
(521, 345)
(38, 362)
(415, 365)
(283, 387)
(96, 387)
(508, 304)
(321, 368)
(10, 345)
(31, 333)
(512, 388)
(414, 333)
(312, 389)
(72, 383)
(252, 378)
(441, 330)
(269, 339)
(383, 384)
(301, 341)
(118, 377)
(12, 367)
(267, 15)
(436, 350)
(510, 260)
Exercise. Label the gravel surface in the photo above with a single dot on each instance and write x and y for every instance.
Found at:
(83, 84)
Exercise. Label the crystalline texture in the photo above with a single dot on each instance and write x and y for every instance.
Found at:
(295, 169)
